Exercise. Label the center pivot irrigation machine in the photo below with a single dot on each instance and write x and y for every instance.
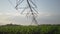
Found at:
(31, 6)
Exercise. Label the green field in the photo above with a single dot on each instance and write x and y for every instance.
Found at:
(40, 29)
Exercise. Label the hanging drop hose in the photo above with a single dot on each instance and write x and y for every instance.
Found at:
(33, 16)
(11, 3)
(14, 8)
(33, 3)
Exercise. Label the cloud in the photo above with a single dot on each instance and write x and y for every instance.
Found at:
(4, 19)
(42, 14)
(0, 13)
(17, 18)
(10, 14)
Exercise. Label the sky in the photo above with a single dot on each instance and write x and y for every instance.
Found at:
(49, 12)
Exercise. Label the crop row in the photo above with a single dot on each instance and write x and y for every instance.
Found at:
(43, 29)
